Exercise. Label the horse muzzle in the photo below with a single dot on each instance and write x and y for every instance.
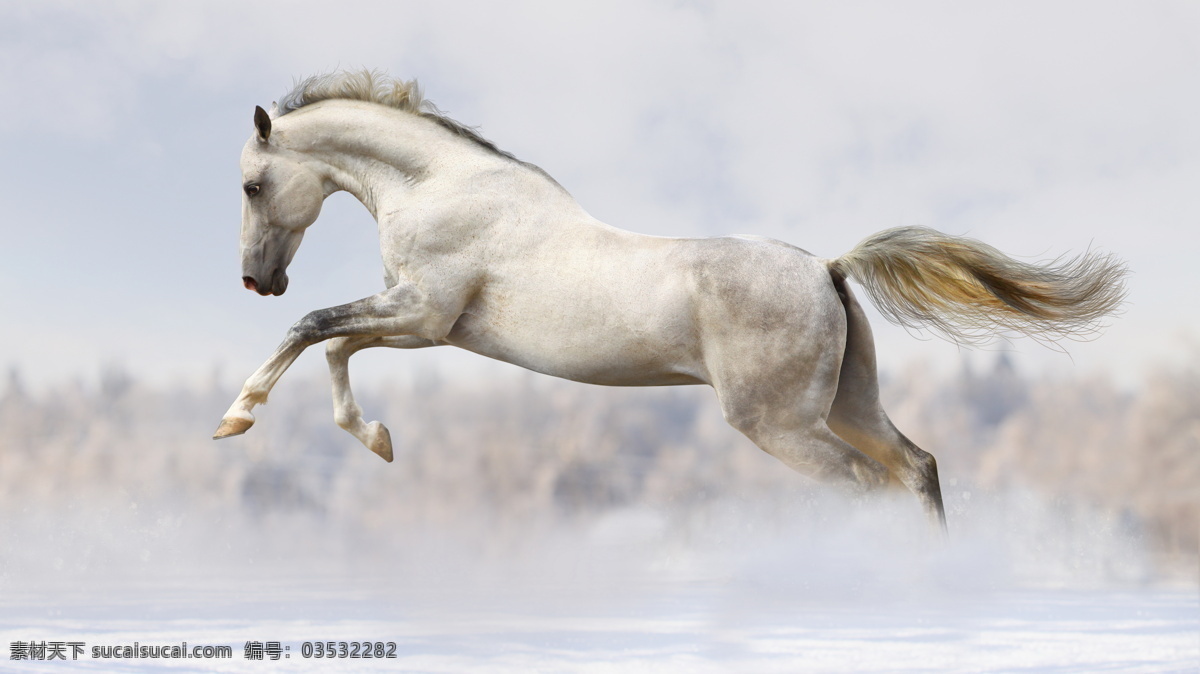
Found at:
(276, 285)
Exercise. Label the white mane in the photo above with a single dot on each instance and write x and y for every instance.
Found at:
(376, 87)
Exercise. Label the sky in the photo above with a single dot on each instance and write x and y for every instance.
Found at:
(1042, 128)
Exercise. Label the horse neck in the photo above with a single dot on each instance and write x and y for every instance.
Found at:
(372, 151)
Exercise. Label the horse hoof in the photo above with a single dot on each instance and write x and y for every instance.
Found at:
(380, 440)
(231, 426)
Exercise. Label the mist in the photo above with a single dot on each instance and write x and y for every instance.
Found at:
(591, 527)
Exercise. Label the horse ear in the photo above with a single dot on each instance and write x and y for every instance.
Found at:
(262, 123)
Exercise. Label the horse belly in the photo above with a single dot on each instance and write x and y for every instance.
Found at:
(591, 340)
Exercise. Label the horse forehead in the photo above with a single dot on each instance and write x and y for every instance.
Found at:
(254, 159)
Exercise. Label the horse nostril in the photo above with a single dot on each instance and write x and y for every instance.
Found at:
(250, 283)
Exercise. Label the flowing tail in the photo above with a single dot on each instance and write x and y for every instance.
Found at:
(968, 291)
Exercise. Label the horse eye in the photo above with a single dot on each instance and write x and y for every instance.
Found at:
(252, 189)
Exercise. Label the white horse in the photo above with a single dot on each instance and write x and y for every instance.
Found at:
(487, 253)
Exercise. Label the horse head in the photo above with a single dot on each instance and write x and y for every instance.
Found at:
(281, 197)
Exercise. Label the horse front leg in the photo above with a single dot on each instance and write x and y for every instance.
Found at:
(346, 411)
(400, 311)
(238, 419)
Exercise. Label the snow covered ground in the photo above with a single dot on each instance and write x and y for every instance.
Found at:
(677, 629)
(817, 585)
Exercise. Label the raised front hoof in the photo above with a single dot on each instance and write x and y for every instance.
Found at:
(231, 426)
(379, 440)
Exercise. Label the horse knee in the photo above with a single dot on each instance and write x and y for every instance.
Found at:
(307, 330)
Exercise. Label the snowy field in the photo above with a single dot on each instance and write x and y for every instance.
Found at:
(817, 584)
(679, 628)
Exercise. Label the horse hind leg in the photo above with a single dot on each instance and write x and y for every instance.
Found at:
(814, 450)
(858, 417)
(783, 410)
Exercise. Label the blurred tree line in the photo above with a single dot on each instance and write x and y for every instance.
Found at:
(524, 448)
